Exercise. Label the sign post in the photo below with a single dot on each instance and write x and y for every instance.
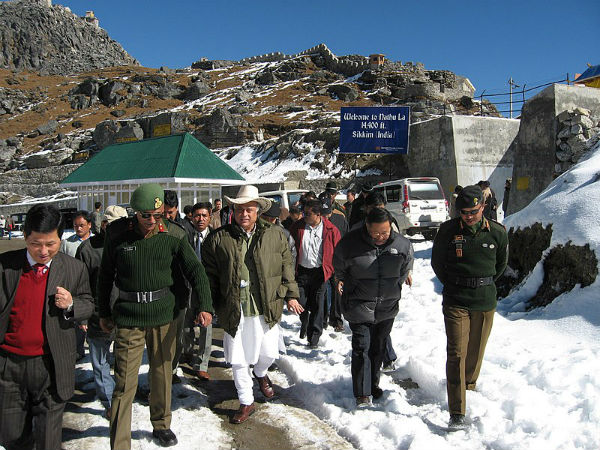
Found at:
(377, 129)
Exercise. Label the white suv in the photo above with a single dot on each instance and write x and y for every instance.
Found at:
(418, 204)
(285, 198)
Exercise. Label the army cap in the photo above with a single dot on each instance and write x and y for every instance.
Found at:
(147, 197)
(367, 187)
(331, 186)
(469, 197)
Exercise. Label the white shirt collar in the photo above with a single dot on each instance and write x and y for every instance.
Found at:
(251, 232)
(316, 228)
(33, 263)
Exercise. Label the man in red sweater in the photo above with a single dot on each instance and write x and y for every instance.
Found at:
(42, 294)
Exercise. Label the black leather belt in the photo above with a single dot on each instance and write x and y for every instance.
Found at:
(143, 297)
(472, 282)
(306, 269)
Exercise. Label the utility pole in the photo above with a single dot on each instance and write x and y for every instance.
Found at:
(511, 84)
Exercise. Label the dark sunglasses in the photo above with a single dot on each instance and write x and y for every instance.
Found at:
(470, 212)
(146, 215)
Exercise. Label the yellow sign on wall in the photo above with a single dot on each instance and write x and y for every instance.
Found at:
(126, 139)
(522, 183)
(164, 129)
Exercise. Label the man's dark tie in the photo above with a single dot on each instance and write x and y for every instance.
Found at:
(199, 246)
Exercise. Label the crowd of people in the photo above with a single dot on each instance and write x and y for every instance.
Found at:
(157, 280)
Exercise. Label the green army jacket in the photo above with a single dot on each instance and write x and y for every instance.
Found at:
(221, 256)
(457, 252)
(138, 264)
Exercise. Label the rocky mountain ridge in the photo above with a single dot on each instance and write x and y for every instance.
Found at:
(53, 40)
(281, 106)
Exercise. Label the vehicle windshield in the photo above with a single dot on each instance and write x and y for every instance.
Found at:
(275, 197)
(294, 197)
(424, 190)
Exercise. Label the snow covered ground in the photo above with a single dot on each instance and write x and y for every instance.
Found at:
(539, 386)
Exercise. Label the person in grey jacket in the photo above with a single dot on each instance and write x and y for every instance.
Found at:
(371, 263)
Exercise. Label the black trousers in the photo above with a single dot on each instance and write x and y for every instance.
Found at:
(30, 410)
(312, 288)
(368, 347)
(389, 355)
(335, 312)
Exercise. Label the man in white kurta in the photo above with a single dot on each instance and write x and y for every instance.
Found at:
(249, 265)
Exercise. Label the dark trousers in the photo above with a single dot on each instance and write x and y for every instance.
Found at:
(390, 355)
(80, 339)
(335, 311)
(312, 294)
(30, 410)
(467, 333)
(368, 347)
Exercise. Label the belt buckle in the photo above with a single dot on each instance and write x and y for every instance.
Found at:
(144, 297)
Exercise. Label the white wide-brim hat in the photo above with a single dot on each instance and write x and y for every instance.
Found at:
(248, 194)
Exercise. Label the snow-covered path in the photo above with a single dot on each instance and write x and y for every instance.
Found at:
(539, 386)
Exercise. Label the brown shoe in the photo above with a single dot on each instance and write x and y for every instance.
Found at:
(243, 413)
(266, 387)
(204, 376)
(363, 402)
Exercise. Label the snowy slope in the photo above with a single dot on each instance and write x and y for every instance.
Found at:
(539, 386)
(571, 203)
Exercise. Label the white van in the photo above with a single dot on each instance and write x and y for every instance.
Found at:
(285, 198)
(418, 204)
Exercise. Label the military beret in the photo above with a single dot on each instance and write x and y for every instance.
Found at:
(469, 197)
(147, 197)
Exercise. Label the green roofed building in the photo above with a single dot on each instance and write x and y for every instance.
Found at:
(177, 162)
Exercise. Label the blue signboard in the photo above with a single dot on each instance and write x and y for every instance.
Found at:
(379, 129)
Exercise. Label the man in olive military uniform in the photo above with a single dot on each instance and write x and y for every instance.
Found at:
(142, 256)
(469, 254)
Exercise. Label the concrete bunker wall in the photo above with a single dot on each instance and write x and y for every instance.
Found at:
(463, 150)
(535, 145)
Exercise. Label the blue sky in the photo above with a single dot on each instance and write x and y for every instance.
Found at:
(487, 41)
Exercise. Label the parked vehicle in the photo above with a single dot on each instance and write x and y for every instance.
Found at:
(285, 197)
(418, 204)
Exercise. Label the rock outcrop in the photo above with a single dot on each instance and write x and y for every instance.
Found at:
(53, 40)
(578, 131)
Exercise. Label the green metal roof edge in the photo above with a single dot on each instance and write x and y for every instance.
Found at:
(183, 138)
(230, 172)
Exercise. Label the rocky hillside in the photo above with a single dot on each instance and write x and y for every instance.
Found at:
(279, 108)
(53, 40)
